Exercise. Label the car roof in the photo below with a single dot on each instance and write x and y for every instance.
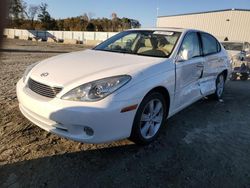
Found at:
(163, 29)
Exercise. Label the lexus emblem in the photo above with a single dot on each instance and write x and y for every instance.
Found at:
(44, 74)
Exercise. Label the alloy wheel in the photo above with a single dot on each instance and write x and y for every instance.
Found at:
(220, 85)
(151, 118)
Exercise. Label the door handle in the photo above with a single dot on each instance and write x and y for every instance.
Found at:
(221, 60)
(200, 66)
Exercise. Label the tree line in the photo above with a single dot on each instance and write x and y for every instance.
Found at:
(37, 17)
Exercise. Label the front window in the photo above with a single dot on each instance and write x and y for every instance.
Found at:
(146, 43)
(233, 46)
(191, 45)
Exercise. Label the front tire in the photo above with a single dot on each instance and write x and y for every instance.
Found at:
(150, 117)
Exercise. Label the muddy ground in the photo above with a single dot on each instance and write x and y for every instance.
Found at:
(206, 145)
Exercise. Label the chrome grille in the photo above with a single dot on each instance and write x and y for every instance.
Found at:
(43, 89)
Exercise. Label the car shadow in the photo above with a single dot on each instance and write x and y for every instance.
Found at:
(78, 169)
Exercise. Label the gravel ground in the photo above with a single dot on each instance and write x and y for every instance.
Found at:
(205, 145)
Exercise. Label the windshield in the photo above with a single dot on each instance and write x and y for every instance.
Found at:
(233, 46)
(146, 43)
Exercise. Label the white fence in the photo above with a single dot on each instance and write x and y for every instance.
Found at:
(58, 35)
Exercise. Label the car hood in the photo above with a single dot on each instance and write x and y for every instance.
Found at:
(88, 65)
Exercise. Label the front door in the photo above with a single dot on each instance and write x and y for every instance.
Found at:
(189, 70)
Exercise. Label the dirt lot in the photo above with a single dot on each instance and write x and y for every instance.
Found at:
(206, 145)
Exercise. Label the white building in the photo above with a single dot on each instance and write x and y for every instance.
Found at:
(233, 24)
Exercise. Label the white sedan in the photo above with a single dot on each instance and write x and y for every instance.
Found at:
(126, 87)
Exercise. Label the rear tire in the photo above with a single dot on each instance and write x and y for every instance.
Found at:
(220, 83)
(149, 119)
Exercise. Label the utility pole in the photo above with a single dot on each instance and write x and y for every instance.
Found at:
(157, 11)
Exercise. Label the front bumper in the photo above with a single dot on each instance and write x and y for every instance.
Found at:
(71, 119)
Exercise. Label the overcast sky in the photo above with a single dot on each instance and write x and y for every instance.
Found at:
(143, 10)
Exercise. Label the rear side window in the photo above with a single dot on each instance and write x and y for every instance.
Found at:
(210, 44)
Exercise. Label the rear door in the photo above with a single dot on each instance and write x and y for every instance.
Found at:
(188, 71)
(213, 61)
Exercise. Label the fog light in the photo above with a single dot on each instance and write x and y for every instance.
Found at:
(88, 131)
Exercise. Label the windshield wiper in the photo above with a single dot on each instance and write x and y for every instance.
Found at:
(117, 51)
(127, 52)
(151, 55)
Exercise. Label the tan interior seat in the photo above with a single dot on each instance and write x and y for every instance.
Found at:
(148, 46)
(167, 48)
(151, 48)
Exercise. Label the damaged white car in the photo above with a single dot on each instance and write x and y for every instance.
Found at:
(125, 87)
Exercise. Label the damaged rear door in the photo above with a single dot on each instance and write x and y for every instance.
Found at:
(212, 62)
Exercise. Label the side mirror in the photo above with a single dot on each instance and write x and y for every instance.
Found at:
(184, 55)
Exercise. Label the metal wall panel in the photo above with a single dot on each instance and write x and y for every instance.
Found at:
(233, 24)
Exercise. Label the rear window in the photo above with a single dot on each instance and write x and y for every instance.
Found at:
(210, 44)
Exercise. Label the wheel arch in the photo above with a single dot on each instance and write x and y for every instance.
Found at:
(164, 92)
(225, 74)
(134, 131)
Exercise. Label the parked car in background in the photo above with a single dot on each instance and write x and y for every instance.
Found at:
(237, 50)
(125, 87)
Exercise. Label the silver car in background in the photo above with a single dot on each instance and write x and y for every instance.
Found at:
(237, 50)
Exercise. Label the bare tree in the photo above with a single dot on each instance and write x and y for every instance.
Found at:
(32, 13)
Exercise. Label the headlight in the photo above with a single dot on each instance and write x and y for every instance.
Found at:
(27, 71)
(97, 90)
